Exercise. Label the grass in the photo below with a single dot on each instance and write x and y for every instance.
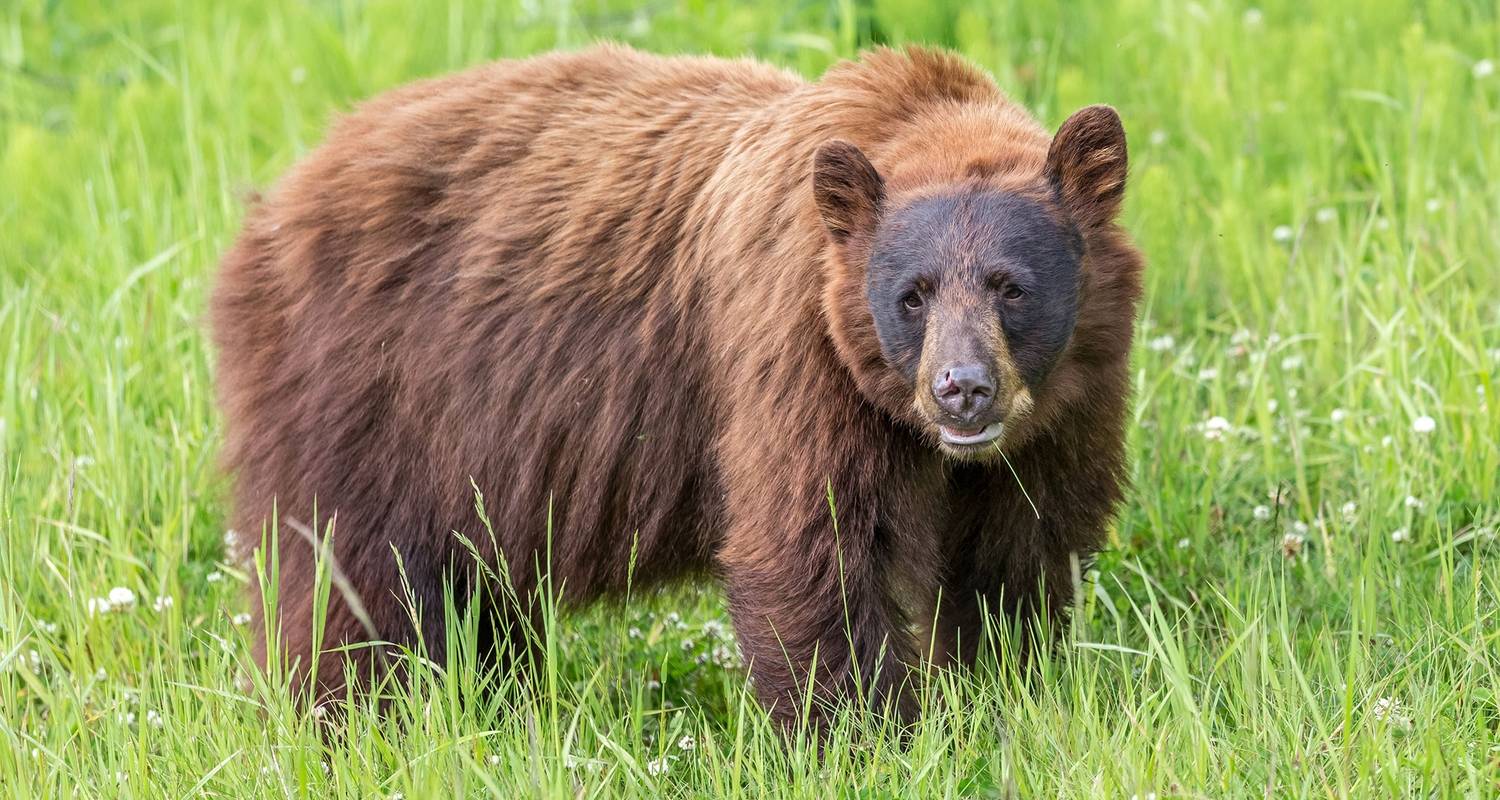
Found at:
(1300, 598)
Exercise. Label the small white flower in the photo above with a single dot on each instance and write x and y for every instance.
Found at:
(1272, 405)
(100, 674)
(1414, 502)
(1300, 528)
(1184, 543)
(215, 576)
(633, 633)
(1262, 513)
(1208, 374)
(299, 74)
(1291, 544)
(687, 742)
(46, 627)
(1483, 68)
(1338, 415)
(121, 777)
(1326, 214)
(1424, 424)
(1434, 205)
(241, 619)
(97, 605)
(163, 602)
(1386, 441)
(1282, 233)
(1400, 535)
(1242, 336)
(1161, 344)
(713, 629)
(1158, 137)
(121, 597)
(653, 685)
(320, 711)
(1215, 428)
(127, 718)
(675, 620)
(1253, 18)
(1349, 511)
(1382, 223)
(1291, 362)
(1389, 710)
(688, 644)
(154, 719)
(658, 766)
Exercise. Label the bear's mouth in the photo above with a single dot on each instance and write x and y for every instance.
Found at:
(969, 437)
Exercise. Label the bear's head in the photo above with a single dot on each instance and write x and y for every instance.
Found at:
(973, 291)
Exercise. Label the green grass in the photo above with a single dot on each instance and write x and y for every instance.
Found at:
(1300, 599)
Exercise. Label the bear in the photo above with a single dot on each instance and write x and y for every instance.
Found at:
(855, 348)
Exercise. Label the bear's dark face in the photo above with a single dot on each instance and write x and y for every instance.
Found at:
(974, 295)
(973, 292)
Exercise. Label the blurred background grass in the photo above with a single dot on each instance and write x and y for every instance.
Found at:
(1300, 598)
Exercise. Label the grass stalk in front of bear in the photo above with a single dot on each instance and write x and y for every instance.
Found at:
(1017, 476)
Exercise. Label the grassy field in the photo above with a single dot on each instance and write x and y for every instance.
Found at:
(1301, 595)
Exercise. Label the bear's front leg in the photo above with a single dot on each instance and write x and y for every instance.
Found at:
(809, 580)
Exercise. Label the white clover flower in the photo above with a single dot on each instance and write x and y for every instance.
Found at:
(1326, 214)
(46, 627)
(1272, 405)
(241, 618)
(1184, 543)
(1338, 415)
(1291, 544)
(1400, 535)
(1349, 511)
(1242, 336)
(1433, 205)
(127, 718)
(713, 628)
(1282, 233)
(1388, 709)
(162, 603)
(1483, 68)
(1424, 424)
(215, 576)
(1414, 502)
(658, 766)
(687, 742)
(1262, 513)
(1291, 362)
(1215, 428)
(1208, 374)
(688, 644)
(675, 619)
(1158, 137)
(121, 597)
(100, 674)
(1386, 441)
(633, 633)
(1161, 344)
(154, 719)
(653, 685)
(1382, 223)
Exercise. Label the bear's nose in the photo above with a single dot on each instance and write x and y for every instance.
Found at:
(965, 390)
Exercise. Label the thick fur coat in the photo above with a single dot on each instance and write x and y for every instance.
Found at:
(601, 286)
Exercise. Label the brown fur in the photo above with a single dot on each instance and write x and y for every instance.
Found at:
(601, 281)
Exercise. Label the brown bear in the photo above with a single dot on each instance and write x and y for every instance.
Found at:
(687, 315)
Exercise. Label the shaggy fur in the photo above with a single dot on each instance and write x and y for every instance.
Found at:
(601, 285)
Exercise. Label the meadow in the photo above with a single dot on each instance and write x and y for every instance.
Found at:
(1300, 597)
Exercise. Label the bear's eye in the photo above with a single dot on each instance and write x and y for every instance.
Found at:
(912, 300)
(1013, 292)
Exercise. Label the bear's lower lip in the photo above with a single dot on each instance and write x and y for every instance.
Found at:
(973, 436)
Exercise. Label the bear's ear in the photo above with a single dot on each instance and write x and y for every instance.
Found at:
(847, 189)
(1086, 165)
